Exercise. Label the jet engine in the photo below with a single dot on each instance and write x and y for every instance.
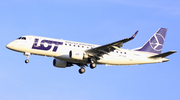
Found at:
(79, 55)
(61, 64)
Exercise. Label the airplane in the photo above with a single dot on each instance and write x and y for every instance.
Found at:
(68, 53)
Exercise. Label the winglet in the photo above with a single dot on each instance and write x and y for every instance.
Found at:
(132, 37)
(128, 39)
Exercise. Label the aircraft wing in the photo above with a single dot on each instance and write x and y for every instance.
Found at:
(105, 49)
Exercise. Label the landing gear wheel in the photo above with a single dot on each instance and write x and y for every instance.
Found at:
(91, 60)
(93, 65)
(27, 61)
(81, 70)
(27, 56)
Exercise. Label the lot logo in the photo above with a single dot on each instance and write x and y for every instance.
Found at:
(156, 42)
(46, 45)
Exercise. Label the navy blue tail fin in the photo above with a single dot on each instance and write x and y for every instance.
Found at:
(155, 43)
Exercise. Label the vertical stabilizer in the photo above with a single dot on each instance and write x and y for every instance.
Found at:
(155, 43)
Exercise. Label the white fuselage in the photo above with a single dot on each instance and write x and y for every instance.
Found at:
(60, 49)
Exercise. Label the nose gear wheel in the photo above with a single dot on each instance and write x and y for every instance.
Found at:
(27, 56)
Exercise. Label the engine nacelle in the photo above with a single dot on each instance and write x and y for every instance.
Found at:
(61, 64)
(79, 55)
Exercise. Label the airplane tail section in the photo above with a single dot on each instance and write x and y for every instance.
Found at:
(155, 43)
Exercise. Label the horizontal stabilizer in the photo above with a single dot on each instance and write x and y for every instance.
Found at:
(163, 55)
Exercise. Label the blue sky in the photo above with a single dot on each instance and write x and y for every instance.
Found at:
(90, 21)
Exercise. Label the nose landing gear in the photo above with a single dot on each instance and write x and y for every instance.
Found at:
(27, 56)
(27, 61)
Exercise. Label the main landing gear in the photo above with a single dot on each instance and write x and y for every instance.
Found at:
(27, 56)
(81, 70)
(92, 66)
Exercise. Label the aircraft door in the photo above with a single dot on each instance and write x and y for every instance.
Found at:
(131, 55)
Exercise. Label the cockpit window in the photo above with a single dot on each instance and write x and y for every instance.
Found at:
(22, 38)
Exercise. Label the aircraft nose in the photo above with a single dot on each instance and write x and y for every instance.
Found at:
(9, 45)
